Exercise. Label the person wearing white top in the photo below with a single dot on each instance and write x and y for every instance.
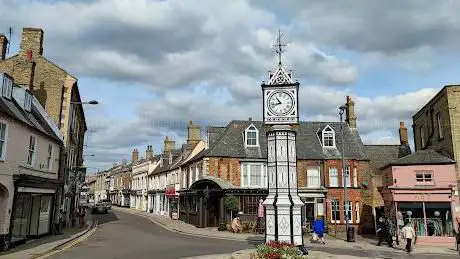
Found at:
(408, 233)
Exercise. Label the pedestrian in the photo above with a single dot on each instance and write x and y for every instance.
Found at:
(260, 215)
(384, 232)
(408, 233)
(236, 225)
(318, 229)
(82, 217)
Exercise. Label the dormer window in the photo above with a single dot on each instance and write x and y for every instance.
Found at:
(328, 137)
(251, 136)
(27, 101)
(7, 86)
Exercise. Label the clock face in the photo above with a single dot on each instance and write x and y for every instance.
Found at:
(281, 102)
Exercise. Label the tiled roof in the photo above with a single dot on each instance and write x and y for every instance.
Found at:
(423, 157)
(31, 119)
(229, 142)
(381, 155)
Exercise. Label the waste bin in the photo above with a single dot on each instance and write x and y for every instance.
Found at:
(351, 234)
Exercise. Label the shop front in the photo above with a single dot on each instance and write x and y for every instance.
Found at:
(32, 213)
(33, 207)
(432, 213)
(315, 205)
(173, 200)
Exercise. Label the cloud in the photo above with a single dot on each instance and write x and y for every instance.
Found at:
(205, 62)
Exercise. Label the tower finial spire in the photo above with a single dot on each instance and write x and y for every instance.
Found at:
(279, 47)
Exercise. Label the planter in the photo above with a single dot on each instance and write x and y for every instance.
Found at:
(277, 250)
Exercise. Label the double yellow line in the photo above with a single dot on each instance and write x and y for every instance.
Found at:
(70, 244)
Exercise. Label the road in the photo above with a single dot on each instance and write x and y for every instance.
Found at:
(122, 235)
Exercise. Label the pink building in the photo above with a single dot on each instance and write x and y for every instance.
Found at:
(421, 188)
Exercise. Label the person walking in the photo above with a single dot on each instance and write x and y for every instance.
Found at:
(408, 233)
(318, 229)
(384, 232)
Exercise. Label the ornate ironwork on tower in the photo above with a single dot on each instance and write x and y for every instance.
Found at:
(280, 114)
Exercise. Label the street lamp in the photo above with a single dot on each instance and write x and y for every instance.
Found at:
(92, 102)
(89, 155)
(344, 174)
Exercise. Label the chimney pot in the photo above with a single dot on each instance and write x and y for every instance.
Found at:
(250, 118)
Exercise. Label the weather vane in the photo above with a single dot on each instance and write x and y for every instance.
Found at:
(279, 47)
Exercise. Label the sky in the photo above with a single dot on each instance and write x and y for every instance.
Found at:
(155, 65)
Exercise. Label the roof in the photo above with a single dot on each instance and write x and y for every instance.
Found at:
(223, 184)
(422, 157)
(228, 142)
(381, 155)
(32, 119)
(165, 165)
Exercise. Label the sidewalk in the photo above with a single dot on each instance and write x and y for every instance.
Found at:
(184, 228)
(36, 248)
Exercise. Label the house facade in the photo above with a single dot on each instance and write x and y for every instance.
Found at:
(234, 164)
(437, 124)
(30, 162)
(422, 188)
(140, 179)
(101, 187)
(57, 92)
(119, 187)
(379, 156)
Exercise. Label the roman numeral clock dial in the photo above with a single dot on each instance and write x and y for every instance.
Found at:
(281, 103)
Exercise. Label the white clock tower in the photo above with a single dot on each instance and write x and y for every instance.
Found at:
(281, 118)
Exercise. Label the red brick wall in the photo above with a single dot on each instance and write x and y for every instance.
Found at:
(225, 168)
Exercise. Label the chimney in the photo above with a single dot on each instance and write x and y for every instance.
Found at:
(32, 39)
(149, 152)
(135, 156)
(403, 138)
(168, 145)
(3, 46)
(350, 113)
(194, 134)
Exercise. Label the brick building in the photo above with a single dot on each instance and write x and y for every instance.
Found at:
(234, 164)
(437, 124)
(57, 91)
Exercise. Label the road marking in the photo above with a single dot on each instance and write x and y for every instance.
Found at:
(70, 244)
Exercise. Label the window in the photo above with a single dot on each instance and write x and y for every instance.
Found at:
(251, 137)
(333, 177)
(31, 154)
(439, 122)
(3, 140)
(348, 215)
(355, 177)
(328, 137)
(196, 173)
(422, 136)
(357, 212)
(424, 176)
(335, 211)
(313, 177)
(49, 157)
(27, 101)
(254, 175)
(347, 173)
(7, 87)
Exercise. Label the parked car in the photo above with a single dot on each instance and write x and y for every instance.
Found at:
(99, 208)
(107, 203)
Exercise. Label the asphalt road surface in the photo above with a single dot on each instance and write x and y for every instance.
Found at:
(122, 235)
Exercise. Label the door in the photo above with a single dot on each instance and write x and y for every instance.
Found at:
(309, 213)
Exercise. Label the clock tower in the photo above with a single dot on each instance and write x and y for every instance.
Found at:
(281, 117)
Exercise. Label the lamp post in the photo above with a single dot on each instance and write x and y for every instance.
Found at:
(344, 174)
(92, 102)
